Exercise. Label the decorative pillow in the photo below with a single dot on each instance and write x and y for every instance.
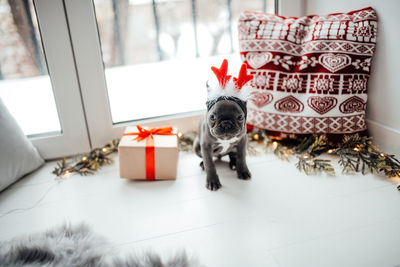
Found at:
(18, 156)
(310, 73)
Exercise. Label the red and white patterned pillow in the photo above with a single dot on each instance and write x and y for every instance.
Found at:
(310, 73)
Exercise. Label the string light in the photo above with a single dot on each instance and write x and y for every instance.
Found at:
(88, 163)
(179, 134)
(356, 149)
(274, 144)
(66, 174)
(382, 155)
(256, 137)
(330, 151)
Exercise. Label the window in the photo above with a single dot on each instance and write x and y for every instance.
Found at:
(24, 81)
(38, 78)
(82, 69)
(144, 60)
(160, 51)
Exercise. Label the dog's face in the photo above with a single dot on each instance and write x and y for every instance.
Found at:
(226, 120)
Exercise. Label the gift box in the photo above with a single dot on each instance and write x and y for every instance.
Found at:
(148, 153)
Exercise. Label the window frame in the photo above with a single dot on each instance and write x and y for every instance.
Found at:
(58, 53)
(91, 73)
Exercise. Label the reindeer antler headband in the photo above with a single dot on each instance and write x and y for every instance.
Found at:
(230, 87)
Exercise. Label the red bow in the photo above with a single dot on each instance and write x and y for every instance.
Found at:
(143, 133)
(150, 153)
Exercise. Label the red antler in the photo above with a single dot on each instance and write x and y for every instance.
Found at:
(221, 73)
(243, 77)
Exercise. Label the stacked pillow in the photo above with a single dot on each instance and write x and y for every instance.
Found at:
(310, 73)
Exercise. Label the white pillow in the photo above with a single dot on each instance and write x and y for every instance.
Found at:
(18, 156)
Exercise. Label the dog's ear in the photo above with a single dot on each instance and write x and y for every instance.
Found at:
(209, 104)
(208, 87)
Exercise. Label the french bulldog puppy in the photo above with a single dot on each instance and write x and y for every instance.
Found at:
(222, 131)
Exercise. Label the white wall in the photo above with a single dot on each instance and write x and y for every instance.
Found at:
(384, 86)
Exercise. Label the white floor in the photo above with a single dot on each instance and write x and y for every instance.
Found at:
(279, 218)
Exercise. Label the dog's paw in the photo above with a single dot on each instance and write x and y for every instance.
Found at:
(213, 184)
(232, 161)
(244, 174)
(202, 165)
(232, 165)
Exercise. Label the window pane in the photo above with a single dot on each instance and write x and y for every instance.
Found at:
(25, 85)
(158, 54)
(239, 5)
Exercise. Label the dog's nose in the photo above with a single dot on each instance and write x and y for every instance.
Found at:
(226, 124)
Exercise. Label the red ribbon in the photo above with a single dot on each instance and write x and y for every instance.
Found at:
(148, 135)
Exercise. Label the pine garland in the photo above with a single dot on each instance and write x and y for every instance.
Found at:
(309, 149)
(186, 141)
(88, 163)
(360, 154)
(311, 165)
(356, 154)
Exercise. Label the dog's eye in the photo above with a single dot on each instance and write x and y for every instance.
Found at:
(240, 117)
(212, 117)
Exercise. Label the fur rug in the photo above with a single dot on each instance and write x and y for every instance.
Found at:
(76, 246)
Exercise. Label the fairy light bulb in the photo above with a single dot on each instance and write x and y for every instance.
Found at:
(274, 144)
(256, 137)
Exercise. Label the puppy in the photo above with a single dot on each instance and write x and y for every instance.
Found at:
(222, 131)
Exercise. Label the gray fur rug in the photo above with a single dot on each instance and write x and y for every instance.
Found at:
(77, 246)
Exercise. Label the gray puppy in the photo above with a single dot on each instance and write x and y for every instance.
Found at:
(222, 131)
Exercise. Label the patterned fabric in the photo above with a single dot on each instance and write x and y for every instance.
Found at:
(310, 73)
